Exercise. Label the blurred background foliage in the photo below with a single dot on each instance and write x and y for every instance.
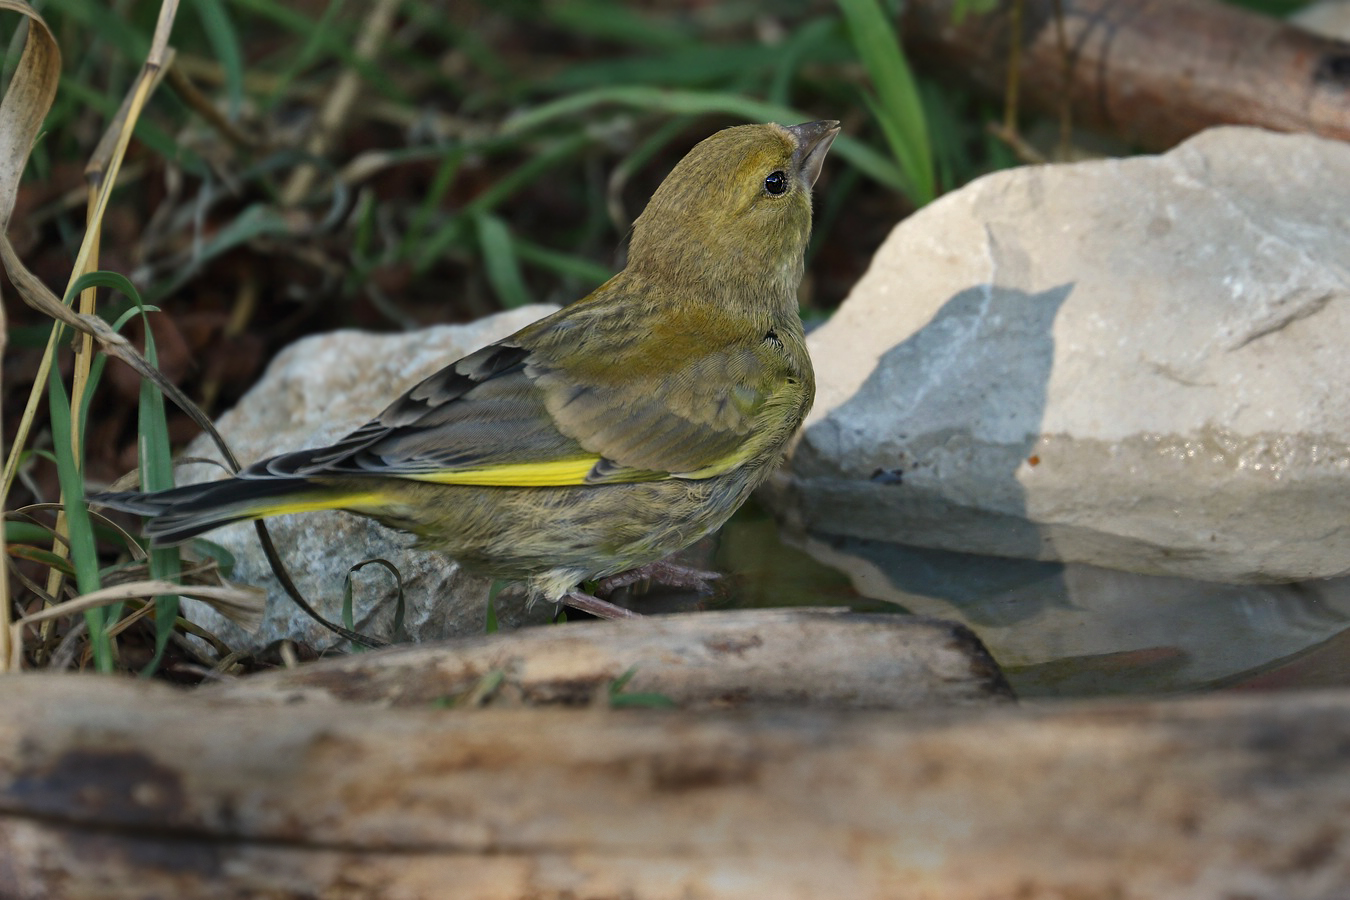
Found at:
(387, 164)
(489, 154)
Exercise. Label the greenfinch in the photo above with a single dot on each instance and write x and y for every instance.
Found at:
(606, 436)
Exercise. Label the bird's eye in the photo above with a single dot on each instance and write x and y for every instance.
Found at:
(776, 183)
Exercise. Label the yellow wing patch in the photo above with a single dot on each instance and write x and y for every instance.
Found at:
(369, 499)
(554, 473)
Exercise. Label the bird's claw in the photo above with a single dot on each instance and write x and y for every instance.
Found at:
(595, 606)
(664, 572)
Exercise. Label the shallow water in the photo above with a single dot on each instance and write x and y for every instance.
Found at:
(1060, 630)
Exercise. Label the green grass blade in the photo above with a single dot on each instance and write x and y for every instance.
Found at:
(83, 555)
(146, 131)
(575, 106)
(693, 66)
(901, 150)
(538, 165)
(257, 220)
(340, 45)
(348, 589)
(348, 612)
(223, 558)
(224, 38)
(898, 108)
(963, 8)
(42, 557)
(26, 533)
(316, 38)
(156, 466)
(617, 22)
(810, 41)
(501, 262)
(102, 19)
(591, 274)
(30, 337)
(619, 698)
(154, 454)
(440, 184)
(453, 232)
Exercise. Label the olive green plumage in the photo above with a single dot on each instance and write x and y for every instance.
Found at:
(607, 435)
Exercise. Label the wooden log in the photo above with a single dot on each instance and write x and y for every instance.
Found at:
(115, 788)
(831, 658)
(1153, 72)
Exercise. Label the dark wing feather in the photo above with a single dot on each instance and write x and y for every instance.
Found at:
(479, 412)
(588, 395)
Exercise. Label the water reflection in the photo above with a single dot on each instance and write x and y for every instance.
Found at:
(1076, 629)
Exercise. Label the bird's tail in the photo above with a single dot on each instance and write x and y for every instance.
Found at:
(182, 513)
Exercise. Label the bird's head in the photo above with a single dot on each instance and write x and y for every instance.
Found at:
(736, 208)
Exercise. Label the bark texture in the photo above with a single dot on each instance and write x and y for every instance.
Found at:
(127, 789)
(1153, 72)
(828, 658)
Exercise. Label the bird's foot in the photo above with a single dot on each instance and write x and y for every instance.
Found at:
(664, 572)
(596, 607)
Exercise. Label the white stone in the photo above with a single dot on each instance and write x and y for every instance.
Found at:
(1329, 17)
(314, 392)
(1135, 363)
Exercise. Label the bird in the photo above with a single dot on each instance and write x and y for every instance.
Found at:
(593, 443)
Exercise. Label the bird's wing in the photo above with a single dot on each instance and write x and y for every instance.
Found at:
(517, 415)
(690, 398)
(480, 420)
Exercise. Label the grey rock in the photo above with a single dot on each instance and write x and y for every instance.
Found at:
(1327, 17)
(1137, 363)
(314, 392)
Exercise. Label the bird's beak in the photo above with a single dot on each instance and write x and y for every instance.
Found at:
(813, 142)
